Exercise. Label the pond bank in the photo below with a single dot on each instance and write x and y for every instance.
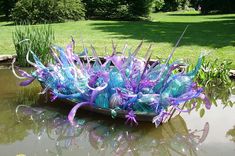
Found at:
(5, 58)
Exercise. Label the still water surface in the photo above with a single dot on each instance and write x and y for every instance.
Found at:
(41, 129)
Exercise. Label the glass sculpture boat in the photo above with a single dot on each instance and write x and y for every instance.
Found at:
(121, 84)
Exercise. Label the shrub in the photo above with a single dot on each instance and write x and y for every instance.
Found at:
(174, 5)
(158, 5)
(220, 6)
(116, 9)
(37, 39)
(71, 9)
(44, 11)
(35, 11)
(140, 8)
(105, 9)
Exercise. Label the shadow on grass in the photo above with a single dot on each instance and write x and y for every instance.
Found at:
(215, 34)
(185, 14)
(197, 14)
(9, 24)
(7, 20)
(3, 18)
(225, 18)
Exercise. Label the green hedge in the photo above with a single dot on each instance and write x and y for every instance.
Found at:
(45, 11)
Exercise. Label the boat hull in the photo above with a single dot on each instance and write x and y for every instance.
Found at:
(148, 117)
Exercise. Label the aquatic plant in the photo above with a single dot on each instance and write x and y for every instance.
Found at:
(218, 94)
(231, 133)
(214, 73)
(120, 82)
(37, 39)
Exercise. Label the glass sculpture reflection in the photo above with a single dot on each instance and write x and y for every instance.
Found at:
(104, 136)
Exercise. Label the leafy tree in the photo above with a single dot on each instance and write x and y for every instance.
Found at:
(6, 7)
(195, 3)
(219, 6)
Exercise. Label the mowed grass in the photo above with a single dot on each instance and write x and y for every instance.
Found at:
(211, 33)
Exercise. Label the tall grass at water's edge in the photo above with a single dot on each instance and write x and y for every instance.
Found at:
(37, 39)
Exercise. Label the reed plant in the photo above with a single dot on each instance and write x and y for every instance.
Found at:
(37, 39)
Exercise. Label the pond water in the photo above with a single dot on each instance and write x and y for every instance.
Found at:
(40, 129)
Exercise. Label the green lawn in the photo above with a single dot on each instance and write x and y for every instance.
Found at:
(212, 33)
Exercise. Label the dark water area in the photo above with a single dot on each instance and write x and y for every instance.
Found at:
(30, 127)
